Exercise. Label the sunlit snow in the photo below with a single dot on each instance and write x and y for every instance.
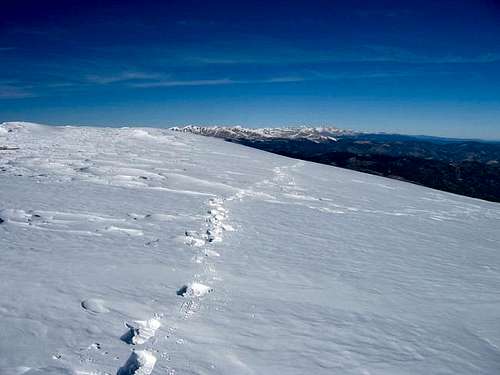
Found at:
(147, 251)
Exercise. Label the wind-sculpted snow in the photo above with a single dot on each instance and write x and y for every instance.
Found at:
(146, 251)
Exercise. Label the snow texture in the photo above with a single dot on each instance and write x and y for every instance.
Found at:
(146, 251)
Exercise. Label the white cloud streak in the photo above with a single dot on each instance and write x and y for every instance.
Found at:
(122, 77)
(214, 82)
(11, 91)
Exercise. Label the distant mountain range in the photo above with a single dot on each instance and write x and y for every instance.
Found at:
(240, 133)
(466, 167)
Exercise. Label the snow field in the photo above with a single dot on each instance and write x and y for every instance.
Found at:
(143, 251)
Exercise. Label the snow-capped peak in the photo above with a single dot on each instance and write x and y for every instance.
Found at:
(315, 134)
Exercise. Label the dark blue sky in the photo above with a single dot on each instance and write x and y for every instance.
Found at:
(428, 67)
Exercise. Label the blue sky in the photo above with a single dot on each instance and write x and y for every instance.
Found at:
(426, 67)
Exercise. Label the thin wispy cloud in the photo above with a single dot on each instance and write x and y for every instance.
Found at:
(122, 77)
(284, 79)
(322, 76)
(485, 58)
(312, 76)
(364, 54)
(383, 53)
(150, 80)
(173, 83)
(9, 90)
(215, 82)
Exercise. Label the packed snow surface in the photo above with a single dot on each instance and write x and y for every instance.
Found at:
(146, 251)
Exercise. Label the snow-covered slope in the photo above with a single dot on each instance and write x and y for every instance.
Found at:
(138, 251)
